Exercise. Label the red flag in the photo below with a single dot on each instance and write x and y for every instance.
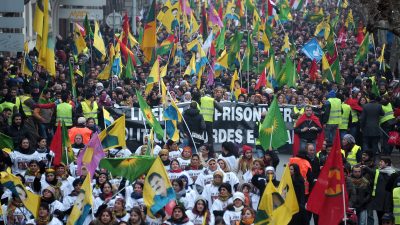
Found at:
(298, 69)
(212, 50)
(271, 5)
(262, 81)
(360, 33)
(220, 12)
(56, 145)
(326, 198)
(125, 51)
(342, 37)
(125, 26)
(313, 70)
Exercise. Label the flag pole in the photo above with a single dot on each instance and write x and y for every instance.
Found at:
(270, 140)
(344, 205)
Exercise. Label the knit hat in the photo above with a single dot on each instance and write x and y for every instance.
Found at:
(81, 120)
(331, 94)
(51, 189)
(246, 148)
(349, 138)
(163, 152)
(227, 186)
(270, 168)
(220, 173)
(238, 195)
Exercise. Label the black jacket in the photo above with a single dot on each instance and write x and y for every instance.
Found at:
(194, 120)
(369, 119)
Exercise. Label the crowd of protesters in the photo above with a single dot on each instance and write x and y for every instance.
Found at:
(213, 186)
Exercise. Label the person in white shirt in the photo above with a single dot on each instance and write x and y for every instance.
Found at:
(230, 154)
(233, 213)
(229, 176)
(119, 210)
(211, 191)
(200, 214)
(224, 198)
(184, 159)
(207, 176)
(45, 217)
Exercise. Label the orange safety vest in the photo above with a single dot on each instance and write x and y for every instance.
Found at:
(84, 131)
(304, 166)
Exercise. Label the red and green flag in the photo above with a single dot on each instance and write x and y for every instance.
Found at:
(363, 50)
(88, 29)
(61, 146)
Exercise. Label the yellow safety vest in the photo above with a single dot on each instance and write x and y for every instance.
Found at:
(335, 114)
(17, 103)
(298, 111)
(64, 113)
(375, 182)
(89, 112)
(396, 205)
(207, 108)
(344, 123)
(354, 116)
(7, 105)
(258, 124)
(388, 113)
(352, 156)
(27, 110)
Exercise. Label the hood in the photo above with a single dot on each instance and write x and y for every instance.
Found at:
(192, 112)
(388, 170)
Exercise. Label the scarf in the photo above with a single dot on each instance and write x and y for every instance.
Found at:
(238, 209)
(105, 196)
(120, 214)
(166, 162)
(248, 221)
(182, 220)
(175, 171)
(136, 195)
(224, 198)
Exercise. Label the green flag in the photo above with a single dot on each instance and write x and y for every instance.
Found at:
(72, 80)
(129, 69)
(273, 133)
(363, 50)
(88, 29)
(235, 41)
(335, 67)
(148, 115)
(6, 142)
(288, 74)
(130, 168)
(220, 42)
(248, 57)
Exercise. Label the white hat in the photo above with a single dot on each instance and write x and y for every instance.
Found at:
(51, 189)
(269, 91)
(81, 120)
(238, 195)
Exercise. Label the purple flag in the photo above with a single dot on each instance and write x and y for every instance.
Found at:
(210, 78)
(214, 17)
(90, 156)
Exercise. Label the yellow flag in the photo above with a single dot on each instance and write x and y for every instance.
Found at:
(114, 135)
(105, 74)
(154, 76)
(164, 92)
(30, 200)
(381, 58)
(235, 77)
(98, 41)
(83, 203)
(286, 43)
(287, 192)
(80, 43)
(223, 59)
(158, 192)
